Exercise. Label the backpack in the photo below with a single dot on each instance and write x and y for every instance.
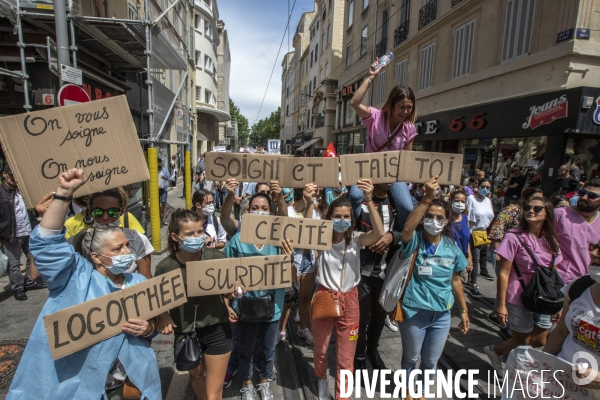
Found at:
(579, 287)
(542, 295)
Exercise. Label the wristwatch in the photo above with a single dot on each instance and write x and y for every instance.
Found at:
(59, 197)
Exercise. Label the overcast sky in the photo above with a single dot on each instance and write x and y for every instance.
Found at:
(255, 29)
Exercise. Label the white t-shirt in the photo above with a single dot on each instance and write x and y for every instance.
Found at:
(480, 211)
(220, 236)
(329, 265)
(208, 185)
(139, 245)
(298, 253)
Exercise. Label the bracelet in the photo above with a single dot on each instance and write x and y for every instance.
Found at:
(59, 197)
(153, 329)
(426, 202)
(366, 201)
(463, 311)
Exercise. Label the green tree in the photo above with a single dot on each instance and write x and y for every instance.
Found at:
(243, 127)
(265, 129)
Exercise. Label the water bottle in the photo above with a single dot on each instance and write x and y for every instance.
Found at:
(385, 60)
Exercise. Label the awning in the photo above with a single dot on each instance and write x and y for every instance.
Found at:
(220, 115)
(308, 144)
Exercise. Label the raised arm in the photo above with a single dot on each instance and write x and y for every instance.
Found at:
(281, 204)
(368, 238)
(309, 191)
(229, 224)
(68, 183)
(356, 102)
(416, 215)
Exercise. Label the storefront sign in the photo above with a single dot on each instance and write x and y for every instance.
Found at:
(430, 126)
(347, 91)
(547, 112)
(565, 35)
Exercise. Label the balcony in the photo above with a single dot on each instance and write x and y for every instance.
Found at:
(319, 121)
(381, 47)
(427, 13)
(401, 33)
(455, 2)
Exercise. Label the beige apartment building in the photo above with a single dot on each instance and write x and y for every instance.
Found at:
(502, 82)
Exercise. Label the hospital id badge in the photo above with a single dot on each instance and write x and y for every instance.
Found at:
(425, 270)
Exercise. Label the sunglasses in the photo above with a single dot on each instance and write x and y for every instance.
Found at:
(594, 246)
(485, 187)
(436, 217)
(536, 209)
(590, 195)
(113, 212)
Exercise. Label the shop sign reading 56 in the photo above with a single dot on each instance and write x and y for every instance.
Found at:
(457, 124)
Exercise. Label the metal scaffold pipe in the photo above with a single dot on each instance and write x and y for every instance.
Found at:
(62, 35)
(188, 179)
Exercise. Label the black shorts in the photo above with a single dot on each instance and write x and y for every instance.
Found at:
(215, 340)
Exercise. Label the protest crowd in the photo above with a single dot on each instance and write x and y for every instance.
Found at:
(542, 252)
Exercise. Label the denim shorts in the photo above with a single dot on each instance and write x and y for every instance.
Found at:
(162, 195)
(522, 320)
(306, 267)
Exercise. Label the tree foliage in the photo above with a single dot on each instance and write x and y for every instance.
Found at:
(243, 127)
(267, 128)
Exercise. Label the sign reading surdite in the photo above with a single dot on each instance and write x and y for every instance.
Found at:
(98, 137)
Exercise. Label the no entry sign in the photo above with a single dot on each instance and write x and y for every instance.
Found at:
(72, 94)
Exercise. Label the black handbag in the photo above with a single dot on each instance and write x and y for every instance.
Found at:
(543, 294)
(291, 293)
(257, 309)
(188, 351)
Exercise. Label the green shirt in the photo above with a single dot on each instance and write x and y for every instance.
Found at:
(211, 309)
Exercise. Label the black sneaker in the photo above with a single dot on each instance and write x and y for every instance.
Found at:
(475, 292)
(360, 363)
(486, 275)
(505, 332)
(493, 318)
(375, 359)
(34, 285)
(20, 295)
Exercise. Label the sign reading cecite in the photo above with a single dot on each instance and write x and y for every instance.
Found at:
(98, 137)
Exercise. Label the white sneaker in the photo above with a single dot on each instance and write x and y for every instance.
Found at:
(392, 325)
(280, 337)
(248, 392)
(324, 389)
(307, 335)
(495, 360)
(297, 316)
(265, 391)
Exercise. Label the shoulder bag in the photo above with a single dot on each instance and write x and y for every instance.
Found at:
(326, 303)
(480, 238)
(395, 280)
(188, 351)
(398, 311)
(543, 294)
(392, 137)
(257, 309)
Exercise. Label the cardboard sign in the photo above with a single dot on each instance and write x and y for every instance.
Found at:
(303, 233)
(298, 171)
(85, 324)
(98, 137)
(419, 166)
(378, 167)
(243, 167)
(254, 273)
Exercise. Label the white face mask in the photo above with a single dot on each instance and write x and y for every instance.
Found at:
(433, 226)
(458, 207)
(114, 224)
(595, 272)
(208, 210)
(256, 212)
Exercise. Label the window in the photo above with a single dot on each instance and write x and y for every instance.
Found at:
(400, 73)
(363, 41)
(324, 13)
(309, 87)
(327, 69)
(198, 93)
(329, 5)
(329, 34)
(404, 13)
(132, 12)
(348, 113)
(380, 87)
(316, 51)
(518, 26)
(350, 13)
(308, 120)
(208, 64)
(208, 29)
(207, 96)
(426, 67)
(348, 53)
(198, 59)
(315, 83)
(463, 49)
(322, 42)
(317, 25)
(311, 58)
(287, 110)
(365, 4)
(197, 22)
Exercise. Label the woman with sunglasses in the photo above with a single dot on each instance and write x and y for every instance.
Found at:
(434, 285)
(96, 371)
(480, 213)
(535, 233)
(203, 205)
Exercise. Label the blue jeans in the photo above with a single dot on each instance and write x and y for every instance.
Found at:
(402, 201)
(234, 359)
(266, 334)
(424, 334)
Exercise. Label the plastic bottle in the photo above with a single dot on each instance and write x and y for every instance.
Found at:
(385, 60)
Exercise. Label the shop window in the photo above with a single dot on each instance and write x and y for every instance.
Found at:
(350, 13)
(463, 49)
(341, 144)
(380, 95)
(348, 113)
(400, 73)
(426, 67)
(518, 27)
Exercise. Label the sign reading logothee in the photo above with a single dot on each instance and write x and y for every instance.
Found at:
(254, 273)
(98, 137)
(85, 324)
(303, 233)
(419, 166)
(378, 167)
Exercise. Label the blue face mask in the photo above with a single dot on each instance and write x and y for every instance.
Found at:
(120, 263)
(341, 225)
(484, 191)
(338, 190)
(192, 244)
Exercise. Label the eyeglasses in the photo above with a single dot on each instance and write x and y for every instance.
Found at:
(485, 187)
(536, 209)
(436, 217)
(113, 212)
(590, 195)
(594, 246)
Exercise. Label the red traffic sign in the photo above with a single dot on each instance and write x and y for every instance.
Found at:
(72, 94)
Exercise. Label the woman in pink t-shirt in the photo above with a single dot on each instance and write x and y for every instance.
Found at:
(391, 128)
(536, 231)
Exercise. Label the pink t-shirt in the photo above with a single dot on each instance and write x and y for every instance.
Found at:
(511, 249)
(378, 130)
(574, 236)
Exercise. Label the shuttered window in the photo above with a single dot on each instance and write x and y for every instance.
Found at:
(426, 67)
(380, 94)
(400, 73)
(463, 49)
(518, 27)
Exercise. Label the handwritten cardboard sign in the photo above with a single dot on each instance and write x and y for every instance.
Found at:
(378, 167)
(98, 137)
(254, 273)
(298, 171)
(303, 233)
(419, 166)
(88, 323)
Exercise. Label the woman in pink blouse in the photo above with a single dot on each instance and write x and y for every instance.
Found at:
(389, 129)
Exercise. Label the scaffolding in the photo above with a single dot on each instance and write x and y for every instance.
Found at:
(152, 46)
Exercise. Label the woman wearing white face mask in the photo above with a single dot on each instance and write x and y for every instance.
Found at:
(581, 309)
(434, 285)
(203, 205)
(460, 224)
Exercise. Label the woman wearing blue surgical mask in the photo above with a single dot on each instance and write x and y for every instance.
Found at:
(434, 284)
(338, 272)
(203, 205)
(100, 369)
(480, 212)
(211, 314)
